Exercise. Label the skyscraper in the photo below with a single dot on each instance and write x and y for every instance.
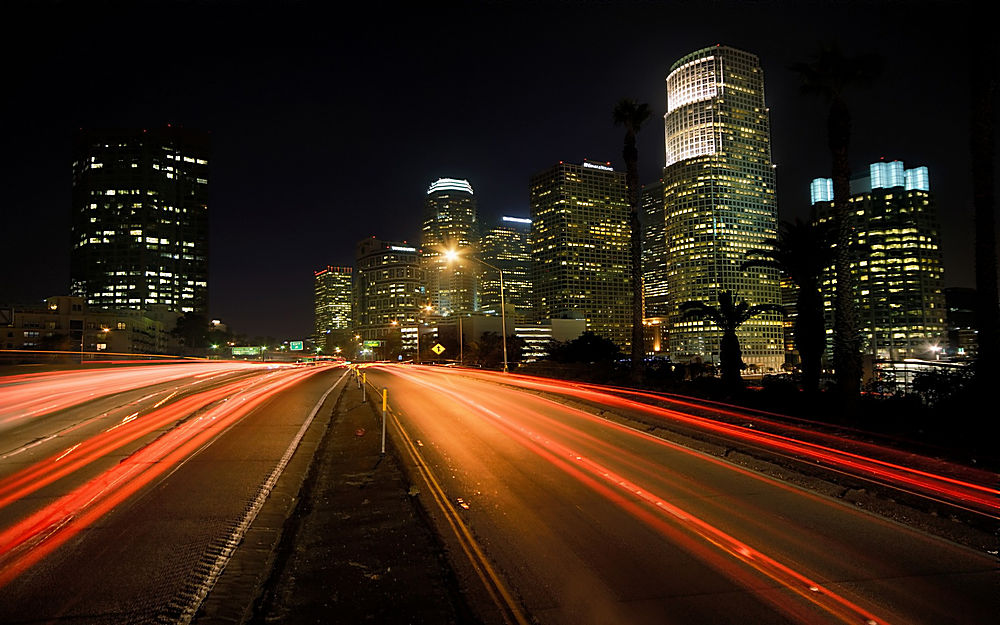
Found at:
(140, 219)
(899, 271)
(719, 200)
(505, 246)
(331, 301)
(654, 251)
(580, 247)
(450, 225)
(388, 293)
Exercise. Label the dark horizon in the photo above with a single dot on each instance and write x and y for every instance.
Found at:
(328, 127)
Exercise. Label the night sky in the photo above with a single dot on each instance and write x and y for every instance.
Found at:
(328, 125)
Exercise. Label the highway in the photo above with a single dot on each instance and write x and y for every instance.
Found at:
(121, 489)
(567, 517)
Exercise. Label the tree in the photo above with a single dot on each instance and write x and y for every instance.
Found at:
(631, 115)
(488, 350)
(802, 251)
(192, 329)
(728, 316)
(588, 347)
(830, 74)
(987, 316)
(58, 342)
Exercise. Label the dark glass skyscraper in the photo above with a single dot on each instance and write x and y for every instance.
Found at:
(140, 219)
(505, 246)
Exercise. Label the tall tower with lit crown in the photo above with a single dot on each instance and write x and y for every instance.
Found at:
(719, 200)
(450, 225)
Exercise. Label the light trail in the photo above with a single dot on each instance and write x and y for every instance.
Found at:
(33, 395)
(39, 534)
(47, 471)
(590, 472)
(981, 496)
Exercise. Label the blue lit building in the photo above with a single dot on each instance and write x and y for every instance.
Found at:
(898, 268)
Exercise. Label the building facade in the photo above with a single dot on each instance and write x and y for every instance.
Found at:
(140, 219)
(389, 294)
(332, 294)
(654, 251)
(450, 225)
(719, 201)
(505, 246)
(898, 268)
(581, 267)
(66, 323)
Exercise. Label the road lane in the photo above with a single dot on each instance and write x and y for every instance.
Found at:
(32, 395)
(138, 545)
(590, 518)
(956, 486)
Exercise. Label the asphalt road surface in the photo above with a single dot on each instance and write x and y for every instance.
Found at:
(120, 488)
(581, 520)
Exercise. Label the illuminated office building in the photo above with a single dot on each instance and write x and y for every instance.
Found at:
(389, 291)
(140, 219)
(332, 290)
(580, 247)
(898, 269)
(719, 201)
(450, 224)
(505, 246)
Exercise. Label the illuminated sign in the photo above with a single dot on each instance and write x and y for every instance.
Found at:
(517, 220)
(373, 343)
(400, 248)
(595, 166)
(295, 346)
(246, 351)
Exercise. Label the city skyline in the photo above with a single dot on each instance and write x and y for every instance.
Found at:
(297, 181)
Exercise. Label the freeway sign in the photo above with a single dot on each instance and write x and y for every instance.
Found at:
(295, 346)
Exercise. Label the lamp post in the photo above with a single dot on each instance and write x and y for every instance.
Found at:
(453, 255)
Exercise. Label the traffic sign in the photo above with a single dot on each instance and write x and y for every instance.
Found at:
(295, 346)
(438, 349)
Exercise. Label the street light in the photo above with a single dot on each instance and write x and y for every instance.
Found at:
(452, 255)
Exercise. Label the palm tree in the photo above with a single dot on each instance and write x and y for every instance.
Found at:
(632, 115)
(728, 316)
(802, 251)
(984, 83)
(829, 74)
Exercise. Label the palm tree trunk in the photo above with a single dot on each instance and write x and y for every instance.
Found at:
(846, 346)
(631, 157)
(810, 337)
(987, 315)
(731, 360)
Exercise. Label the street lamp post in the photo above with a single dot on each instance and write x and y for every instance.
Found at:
(452, 255)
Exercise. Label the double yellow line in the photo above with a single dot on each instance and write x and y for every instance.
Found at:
(509, 608)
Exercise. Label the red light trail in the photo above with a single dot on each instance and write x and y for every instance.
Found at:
(654, 509)
(41, 532)
(978, 493)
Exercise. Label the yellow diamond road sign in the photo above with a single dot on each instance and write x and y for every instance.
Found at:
(437, 349)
